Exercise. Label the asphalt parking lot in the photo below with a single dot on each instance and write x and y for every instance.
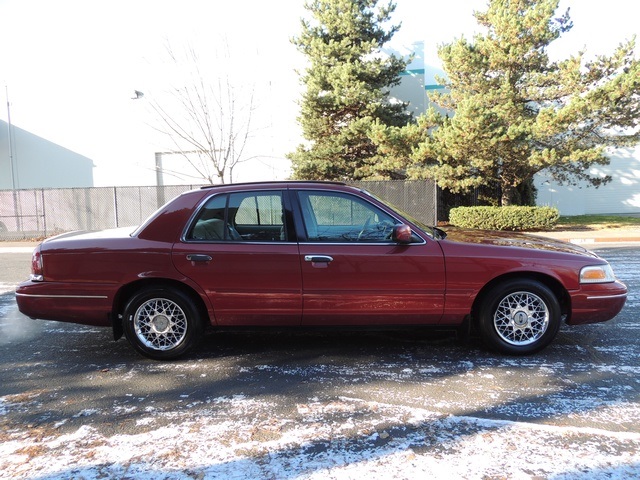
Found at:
(75, 404)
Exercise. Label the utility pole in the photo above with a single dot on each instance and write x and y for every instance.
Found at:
(160, 171)
(13, 169)
(159, 180)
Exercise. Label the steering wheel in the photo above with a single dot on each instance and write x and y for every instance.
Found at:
(386, 229)
(364, 228)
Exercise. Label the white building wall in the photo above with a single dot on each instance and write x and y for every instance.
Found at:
(30, 161)
(620, 196)
(417, 80)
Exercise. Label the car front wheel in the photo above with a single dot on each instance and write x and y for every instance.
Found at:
(162, 324)
(519, 317)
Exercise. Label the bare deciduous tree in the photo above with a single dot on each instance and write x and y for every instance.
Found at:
(207, 118)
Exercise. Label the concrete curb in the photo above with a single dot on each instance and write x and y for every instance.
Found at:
(591, 238)
(16, 249)
(580, 241)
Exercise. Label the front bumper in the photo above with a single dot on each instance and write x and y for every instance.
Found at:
(597, 302)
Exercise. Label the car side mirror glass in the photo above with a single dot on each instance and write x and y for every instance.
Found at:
(402, 234)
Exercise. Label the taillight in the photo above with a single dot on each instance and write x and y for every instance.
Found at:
(37, 268)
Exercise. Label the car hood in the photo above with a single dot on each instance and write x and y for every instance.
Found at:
(513, 239)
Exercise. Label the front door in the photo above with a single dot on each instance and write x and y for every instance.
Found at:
(354, 274)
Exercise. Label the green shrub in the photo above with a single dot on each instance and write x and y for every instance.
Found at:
(505, 218)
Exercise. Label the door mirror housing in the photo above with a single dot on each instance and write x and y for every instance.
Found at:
(402, 234)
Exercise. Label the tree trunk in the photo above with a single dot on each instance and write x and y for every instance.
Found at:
(509, 195)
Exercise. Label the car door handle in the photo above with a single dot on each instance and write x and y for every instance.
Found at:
(199, 257)
(318, 258)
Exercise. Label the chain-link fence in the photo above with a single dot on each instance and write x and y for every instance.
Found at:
(28, 214)
(417, 198)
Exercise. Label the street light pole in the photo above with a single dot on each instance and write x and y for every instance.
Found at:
(12, 169)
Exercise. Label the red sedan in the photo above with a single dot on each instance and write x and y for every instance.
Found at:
(311, 254)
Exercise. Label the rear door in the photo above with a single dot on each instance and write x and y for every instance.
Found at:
(242, 253)
(354, 274)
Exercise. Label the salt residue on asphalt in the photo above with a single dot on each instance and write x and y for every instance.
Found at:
(334, 438)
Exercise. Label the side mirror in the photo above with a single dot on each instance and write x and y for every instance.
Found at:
(402, 234)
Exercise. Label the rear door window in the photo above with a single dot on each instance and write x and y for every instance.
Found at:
(258, 216)
(241, 217)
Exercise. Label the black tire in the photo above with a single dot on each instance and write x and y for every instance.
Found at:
(519, 317)
(162, 323)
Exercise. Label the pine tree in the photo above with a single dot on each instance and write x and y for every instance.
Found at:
(512, 112)
(347, 83)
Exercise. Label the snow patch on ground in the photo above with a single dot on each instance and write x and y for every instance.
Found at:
(332, 438)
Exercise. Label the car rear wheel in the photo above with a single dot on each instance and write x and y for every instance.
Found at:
(519, 317)
(162, 324)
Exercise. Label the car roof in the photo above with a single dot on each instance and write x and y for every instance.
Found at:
(274, 182)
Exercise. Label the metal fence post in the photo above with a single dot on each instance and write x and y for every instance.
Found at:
(115, 205)
(435, 203)
(44, 212)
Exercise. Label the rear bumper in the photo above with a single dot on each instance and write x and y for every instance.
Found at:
(63, 302)
(597, 303)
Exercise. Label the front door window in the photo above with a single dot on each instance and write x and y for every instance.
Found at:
(336, 218)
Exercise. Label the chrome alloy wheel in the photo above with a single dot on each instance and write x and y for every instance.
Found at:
(160, 324)
(521, 318)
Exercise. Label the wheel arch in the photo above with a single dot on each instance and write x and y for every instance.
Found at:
(550, 282)
(127, 291)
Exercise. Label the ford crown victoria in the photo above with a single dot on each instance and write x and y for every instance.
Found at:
(311, 254)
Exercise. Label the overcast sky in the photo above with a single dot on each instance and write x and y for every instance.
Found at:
(71, 66)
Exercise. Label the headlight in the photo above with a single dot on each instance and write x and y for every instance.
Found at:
(597, 274)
